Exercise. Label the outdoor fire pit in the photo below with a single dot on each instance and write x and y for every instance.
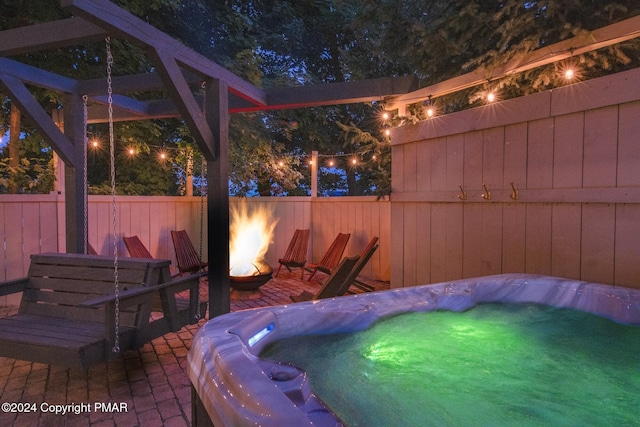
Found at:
(248, 286)
(251, 234)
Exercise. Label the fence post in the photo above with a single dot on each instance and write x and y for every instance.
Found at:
(314, 174)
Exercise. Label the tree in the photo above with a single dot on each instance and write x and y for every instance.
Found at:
(14, 147)
(289, 43)
(443, 39)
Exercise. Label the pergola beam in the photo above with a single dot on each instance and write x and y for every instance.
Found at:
(37, 76)
(122, 24)
(339, 93)
(49, 35)
(144, 82)
(181, 94)
(30, 107)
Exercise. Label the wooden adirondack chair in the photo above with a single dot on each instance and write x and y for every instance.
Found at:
(334, 283)
(338, 284)
(187, 257)
(364, 259)
(332, 257)
(182, 312)
(296, 254)
(136, 248)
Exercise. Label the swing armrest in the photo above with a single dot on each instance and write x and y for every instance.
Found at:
(179, 284)
(137, 295)
(13, 286)
(126, 297)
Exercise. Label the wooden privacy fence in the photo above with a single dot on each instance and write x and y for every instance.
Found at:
(546, 184)
(35, 223)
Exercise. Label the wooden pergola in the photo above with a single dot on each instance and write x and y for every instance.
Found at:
(177, 69)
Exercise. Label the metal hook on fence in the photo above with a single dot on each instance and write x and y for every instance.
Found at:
(487, 194)
(514, 193)
(463, 194)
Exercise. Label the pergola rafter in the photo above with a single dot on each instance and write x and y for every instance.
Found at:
(28, 106)
(179, 71)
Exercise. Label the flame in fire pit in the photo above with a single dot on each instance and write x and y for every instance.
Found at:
(250, 233)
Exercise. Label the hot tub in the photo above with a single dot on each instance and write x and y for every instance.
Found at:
(232, 386)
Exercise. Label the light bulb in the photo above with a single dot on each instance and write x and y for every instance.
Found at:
(430, 112)
(491, 97)
(569, 74)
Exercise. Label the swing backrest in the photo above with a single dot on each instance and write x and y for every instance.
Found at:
(59, 283)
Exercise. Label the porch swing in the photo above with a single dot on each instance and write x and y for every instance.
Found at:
(79, 310)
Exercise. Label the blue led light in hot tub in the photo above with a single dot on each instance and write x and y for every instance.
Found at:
(261, 334)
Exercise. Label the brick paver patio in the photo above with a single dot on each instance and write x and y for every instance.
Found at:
(148, 387)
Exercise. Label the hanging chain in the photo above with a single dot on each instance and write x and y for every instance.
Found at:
(112, 150)
(85, 115)
(204, 98)
(202, 175)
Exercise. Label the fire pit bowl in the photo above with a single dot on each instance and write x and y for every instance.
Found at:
(247, 286)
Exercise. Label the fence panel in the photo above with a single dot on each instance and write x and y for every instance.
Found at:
(32, 224)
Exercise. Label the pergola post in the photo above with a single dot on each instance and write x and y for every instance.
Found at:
(75, 189)
(217, 115)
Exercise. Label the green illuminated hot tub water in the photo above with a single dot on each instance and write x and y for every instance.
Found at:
(494, 365)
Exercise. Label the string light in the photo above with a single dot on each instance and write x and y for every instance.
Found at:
(162, 156)
(430, 109)
(569, 72)
(94, 142)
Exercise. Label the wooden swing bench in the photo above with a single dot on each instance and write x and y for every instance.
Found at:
(67, 313)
